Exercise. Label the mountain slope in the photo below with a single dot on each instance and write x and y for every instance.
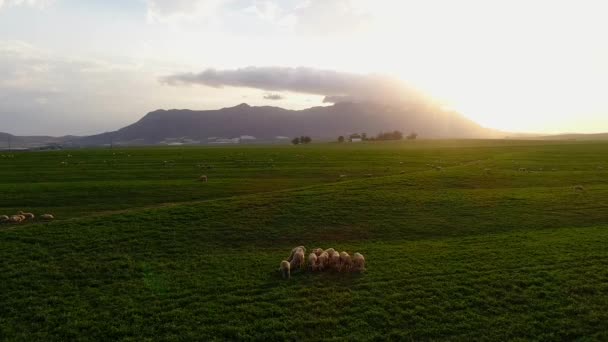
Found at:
(268, 122)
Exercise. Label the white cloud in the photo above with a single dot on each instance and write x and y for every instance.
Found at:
(171, 11)
(39, 4)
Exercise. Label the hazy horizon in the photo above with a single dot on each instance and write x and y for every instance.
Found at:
(74, 67)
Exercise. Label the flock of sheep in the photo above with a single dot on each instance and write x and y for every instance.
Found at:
(22, 217)
(320, 260)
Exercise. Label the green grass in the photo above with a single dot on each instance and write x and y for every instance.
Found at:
(464, 253)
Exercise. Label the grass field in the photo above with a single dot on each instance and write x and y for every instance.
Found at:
(460, 244)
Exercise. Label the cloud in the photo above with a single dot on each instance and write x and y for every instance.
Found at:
(334, 85)
(176, 10)
(39, 4)
(274, 97)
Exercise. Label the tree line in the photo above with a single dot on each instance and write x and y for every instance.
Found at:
(394, 135)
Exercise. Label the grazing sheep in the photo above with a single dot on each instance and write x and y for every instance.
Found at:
(358, 262)
(322, 261)
(3, 218)
(298, 260)
(579, 188)
(523, 169)
(369, 175)
(285, 269)
(317, 251)
(313, 262)
(296, 249)
(342, 176)
(203, 179)
(47, 217)
(330, 251)
(334, 261)
(28, 216)
(346, 263)
(16, 219)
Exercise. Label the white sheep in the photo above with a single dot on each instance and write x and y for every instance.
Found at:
(313, 262)
(322, 261)
(47, 217)
(317, 251)
(296, 249)
(346, 263)
(358, 262)
(4, 218)
(579, 188)
(28, 216)
(330, 251)
(334, 261)
(298, 260)
(203, 178)
(16, 218)
(285, 269)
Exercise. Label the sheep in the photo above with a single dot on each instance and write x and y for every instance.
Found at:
(523, 169)
(3, 218)
(313, 262)
(358, 262)
(317, 251)
(369, 175)
(579, 188)
(47, 217)
(330, 251)
(285, 269)
(28, 216)
(203, 178)
(322, 261)
(296, 249)
(334, 261)
(298, 260)
(346, 263)
(16, 219)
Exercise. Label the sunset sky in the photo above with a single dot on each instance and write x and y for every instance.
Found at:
(86, 66)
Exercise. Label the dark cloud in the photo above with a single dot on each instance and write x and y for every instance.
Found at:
(334, 85)
(274, 97)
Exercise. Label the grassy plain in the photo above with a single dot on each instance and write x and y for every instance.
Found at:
(461, 244)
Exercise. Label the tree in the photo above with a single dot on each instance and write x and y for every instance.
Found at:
(363, 136)
(341, 139)
(296, 141)
(412, 136)
(305, 139)
(394, 135)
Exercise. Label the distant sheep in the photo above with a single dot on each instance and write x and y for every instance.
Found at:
(369, 175)
(317, 251)
(322, 261)
(346, 263)
(342, 176)
(523, 169)
(313, 262)
(203, 179)
(285, 269)
(295, 250)
(334, 261)
(579, 188)
(298, 260)
(358, 262)
(28, 216)
(47, 217)
(330, 251)
(16, 219)
(4, 218)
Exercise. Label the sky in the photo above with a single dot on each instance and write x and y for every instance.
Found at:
(88, 66)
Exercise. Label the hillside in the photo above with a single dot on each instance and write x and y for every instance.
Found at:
(266, 123)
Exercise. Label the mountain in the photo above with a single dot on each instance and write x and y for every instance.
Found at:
(266, 123)
(8, 140)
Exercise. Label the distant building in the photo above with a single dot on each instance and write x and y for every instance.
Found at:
(356, 140)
